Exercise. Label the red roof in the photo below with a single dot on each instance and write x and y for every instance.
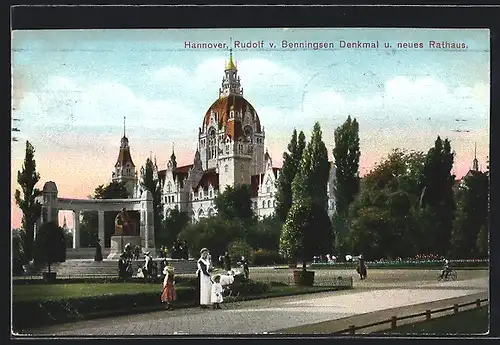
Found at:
(124, 158)
(179, 173)
(222, 107)
(210, 177)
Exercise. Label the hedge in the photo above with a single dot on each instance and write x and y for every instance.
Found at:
(28, 314)
(406, 264)
(187, 280)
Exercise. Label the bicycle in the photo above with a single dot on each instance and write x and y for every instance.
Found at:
(451, 276)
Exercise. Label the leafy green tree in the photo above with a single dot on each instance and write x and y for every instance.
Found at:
(291, 162)
(238, 248)
(18, 254)
(235, 203)
(153, 185)
(172, 226)
(437, 183)
(89, 223)
(27, 179)
(50, 246)
(265, 234)
(471, 214)
(385, 216)
(213, 233)
(308, 229)
(482, 242)
(346, 154)
(313, 173)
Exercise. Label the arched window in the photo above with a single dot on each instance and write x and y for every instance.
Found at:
(169, 187)
(212, 144)
(242, 167)
(201, 213)
(263, 204)
(269, 203)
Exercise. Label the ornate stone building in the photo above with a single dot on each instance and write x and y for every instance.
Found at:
(230, 152)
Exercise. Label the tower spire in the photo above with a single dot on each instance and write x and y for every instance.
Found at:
(475, 162)
(124, 132)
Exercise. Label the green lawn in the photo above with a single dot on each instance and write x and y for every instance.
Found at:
(474, 321)
(61, 291)
(34, 292)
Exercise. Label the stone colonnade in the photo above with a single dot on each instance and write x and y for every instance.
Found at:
(52, 204)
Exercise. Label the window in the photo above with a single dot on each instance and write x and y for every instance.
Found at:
(242, 167)
(226, 168)
(211, 194)
(255, 205)
(166, 199)
(212, 144)
(268, 188)
(169, 187)
(263, 204)
(200, 194)
(268, 203)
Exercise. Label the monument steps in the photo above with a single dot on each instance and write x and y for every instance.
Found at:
(89, 267)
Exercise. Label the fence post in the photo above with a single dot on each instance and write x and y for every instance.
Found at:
(455, 308)
(478, 303)
(427, 314)
(352, 329)
(394, 322)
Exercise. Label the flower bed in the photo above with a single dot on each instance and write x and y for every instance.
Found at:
(405, 264)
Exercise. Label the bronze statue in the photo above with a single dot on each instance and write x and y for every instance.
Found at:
(124, 226)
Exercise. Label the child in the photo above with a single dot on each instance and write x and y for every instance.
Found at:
(168, 293)
(216, 293)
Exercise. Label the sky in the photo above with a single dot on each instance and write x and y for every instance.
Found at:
(72, 88)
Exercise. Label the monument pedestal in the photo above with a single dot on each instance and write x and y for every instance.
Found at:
(118, 244)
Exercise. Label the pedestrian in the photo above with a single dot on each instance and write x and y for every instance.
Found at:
(204, 278)
(168, 294)
(227, 262)
(216, 295)
(244, 264)
(98, 251)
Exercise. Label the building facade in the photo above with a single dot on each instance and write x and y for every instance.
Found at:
(230, 152)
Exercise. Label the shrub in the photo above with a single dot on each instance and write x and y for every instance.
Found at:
(239, 248)
(250, 287)
(50, 245)
(263, 257)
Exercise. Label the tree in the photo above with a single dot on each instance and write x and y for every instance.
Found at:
(346, 154)
(291, 162)
(153, 185)
(308, 229)
(304, 232)
(18, 253)
(172, 226)
(50, 245)
(265, 234)
(235, 203)
(213, 233)
(238, 248)
(482, 242)
(438, 197)
(385, 215)
(471, 214)
(27, 179)
(89, 223)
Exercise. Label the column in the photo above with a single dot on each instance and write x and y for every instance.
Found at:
(146, 228)
(100, 216)
(76, 229)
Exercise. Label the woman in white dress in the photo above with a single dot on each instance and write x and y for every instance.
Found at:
(204, 278)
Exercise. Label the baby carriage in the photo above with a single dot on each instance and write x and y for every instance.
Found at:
(230, 281)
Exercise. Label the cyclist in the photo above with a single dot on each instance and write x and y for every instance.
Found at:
(446, 269)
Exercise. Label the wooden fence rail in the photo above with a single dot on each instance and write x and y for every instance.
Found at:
(394, 320)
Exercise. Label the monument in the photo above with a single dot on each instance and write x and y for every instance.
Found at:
(125, 232)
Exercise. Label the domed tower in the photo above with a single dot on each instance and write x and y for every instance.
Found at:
(231, 139)
(124, 167)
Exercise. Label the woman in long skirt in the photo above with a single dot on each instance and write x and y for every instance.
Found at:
(205, 279)
(168, 293)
